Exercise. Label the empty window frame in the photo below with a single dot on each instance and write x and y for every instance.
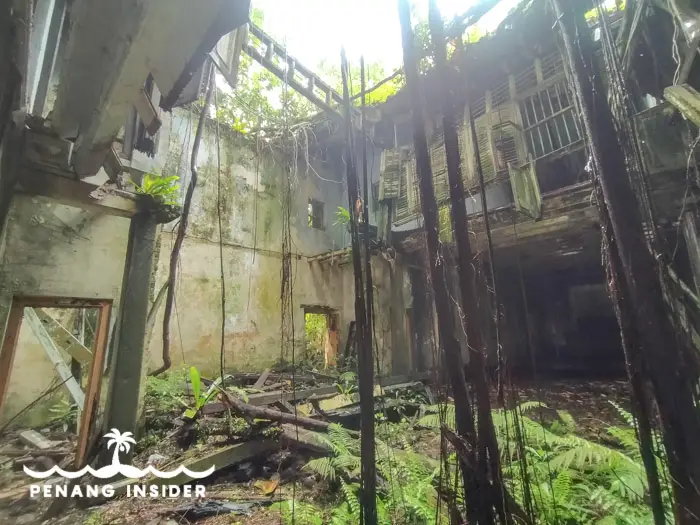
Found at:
(549, 120)
(315, 214)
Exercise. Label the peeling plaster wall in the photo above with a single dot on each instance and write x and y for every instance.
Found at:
(54, 250)
(251, 215)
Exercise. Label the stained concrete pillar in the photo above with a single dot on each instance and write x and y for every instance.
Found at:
(126, 370)
(401, 360)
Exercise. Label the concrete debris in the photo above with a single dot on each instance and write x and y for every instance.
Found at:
(32, 438)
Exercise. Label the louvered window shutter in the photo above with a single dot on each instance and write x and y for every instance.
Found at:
(390, 175)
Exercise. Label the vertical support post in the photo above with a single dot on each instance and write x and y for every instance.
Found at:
(127, 361)
(94, 384)
(49, 55)
(365, 366)
(9, 345)
(474, 491)
(668, 359)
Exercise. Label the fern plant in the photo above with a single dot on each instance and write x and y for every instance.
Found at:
(572, 480)
(164, 189)
(406, 492)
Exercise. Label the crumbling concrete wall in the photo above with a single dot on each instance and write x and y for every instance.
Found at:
(54, 250)
(251, 184)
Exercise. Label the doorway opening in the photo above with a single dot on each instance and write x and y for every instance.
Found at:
(321, 336)
(51, 366)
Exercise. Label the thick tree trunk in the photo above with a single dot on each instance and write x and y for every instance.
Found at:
(474, 489)
(365, 367)
(488, 445)
(664, 355)
(634, 362)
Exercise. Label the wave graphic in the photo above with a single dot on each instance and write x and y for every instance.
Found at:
(110, 471)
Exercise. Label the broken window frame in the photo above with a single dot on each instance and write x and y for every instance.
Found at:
(315, 214)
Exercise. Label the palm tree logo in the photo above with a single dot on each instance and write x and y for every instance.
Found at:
(121, 442)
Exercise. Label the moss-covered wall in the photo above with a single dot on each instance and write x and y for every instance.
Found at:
(53, 250)
(251, 184)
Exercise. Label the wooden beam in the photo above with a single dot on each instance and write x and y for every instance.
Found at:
(73, 192)
(63, 338)
(9, 345)
(388, 384)
(686, 100)
(55, 356)
(219, 459)
(261, 380)
(92, 392)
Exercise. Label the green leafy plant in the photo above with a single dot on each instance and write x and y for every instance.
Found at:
(64, 413)
(347, 383)
(342, 217)
(164, 392)
(573, 480)
(406, 493)
(200, 398)
(164, 189)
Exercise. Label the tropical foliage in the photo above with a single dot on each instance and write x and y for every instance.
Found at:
(164, 189)
(571, 479)
(406, 493)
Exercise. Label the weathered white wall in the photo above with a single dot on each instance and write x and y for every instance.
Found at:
(54, 250)
(251, 213)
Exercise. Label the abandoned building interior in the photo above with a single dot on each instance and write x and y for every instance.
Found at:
(492, 272)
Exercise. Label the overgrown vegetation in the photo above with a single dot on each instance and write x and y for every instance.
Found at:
(163, 189)
(573, 480)
(260, 101)
(316, 332)
(406, 494)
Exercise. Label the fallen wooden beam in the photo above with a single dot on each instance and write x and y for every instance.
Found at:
(221, 458)
(271, 397)
(261, 380)
(388, 385)
(55, 356)
(251, 411)
(63, 338)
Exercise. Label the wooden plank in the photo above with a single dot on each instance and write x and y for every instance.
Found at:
(261, 380)
(271, 397)
(92, 392)
(285, 406)
(9, 345)
(63, 338)
(219, 459)
(55, 356)
(388, 384)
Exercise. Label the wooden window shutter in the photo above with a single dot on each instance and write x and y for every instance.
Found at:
(526, 189)
(390, 175)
